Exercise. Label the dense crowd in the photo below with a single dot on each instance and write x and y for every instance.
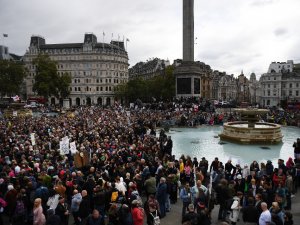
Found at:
(122, 172)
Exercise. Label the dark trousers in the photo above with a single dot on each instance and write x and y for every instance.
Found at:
(184, 208)
(75, 216)
(222, 212)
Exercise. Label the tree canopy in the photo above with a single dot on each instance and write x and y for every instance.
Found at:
(12, 75)
(160, 87)
(47, 80)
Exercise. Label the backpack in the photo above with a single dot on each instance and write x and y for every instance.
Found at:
(20, 208)
(114, 196)
(156, 219)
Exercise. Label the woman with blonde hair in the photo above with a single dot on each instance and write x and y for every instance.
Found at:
(38, 216)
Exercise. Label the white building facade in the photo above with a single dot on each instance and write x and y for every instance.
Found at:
(281, 83)
(96, 68)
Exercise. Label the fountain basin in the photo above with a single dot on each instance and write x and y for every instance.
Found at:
(261, 133)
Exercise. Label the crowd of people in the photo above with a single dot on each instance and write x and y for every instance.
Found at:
(122, 172)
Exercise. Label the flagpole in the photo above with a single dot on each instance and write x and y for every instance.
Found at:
(112, 50)
(103, 40)
(127, 40)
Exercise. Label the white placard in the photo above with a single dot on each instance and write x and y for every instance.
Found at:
(64, 146)
(32, 137)
(73, 148)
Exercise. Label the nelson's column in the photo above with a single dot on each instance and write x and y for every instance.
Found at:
(188, 74)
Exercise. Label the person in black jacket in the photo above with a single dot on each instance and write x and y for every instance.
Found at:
(191, 217)
(94, 218)
(84, 207)
(223, 196)
(99, 200)
(62, 211)
(250, 212)
(52, 219)
(125, 215)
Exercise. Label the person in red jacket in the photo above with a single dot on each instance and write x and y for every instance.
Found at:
(279, 178)
(137, 213)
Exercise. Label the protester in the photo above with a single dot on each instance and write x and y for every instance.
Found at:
(95, 218)
(137, 213)
(62, 211)
(265, 216)
(38, 216)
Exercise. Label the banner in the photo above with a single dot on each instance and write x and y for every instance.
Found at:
(73, 148)
(64, 146)
(32, 137)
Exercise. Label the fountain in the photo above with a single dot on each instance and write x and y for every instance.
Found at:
(250, 131)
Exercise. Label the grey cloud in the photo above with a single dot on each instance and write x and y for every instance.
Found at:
(280, 31)
(262, 2)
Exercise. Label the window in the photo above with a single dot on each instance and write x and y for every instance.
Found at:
(297, 84)
(291, 85)
(268, 102)
(290, 93)
(97, 88)
(297, 93)
(268, 92)
(274, 78)
(268, 85)
(274, 85)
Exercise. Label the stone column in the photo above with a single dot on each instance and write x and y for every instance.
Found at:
(188, 30)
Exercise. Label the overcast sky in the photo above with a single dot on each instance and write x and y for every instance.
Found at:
(232, 35)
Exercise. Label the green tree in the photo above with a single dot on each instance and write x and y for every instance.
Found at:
(65, 81)
(160, 87)
(47, 81)
(12, 75)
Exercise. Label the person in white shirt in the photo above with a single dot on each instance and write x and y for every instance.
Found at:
(195, 190)
(265, 216)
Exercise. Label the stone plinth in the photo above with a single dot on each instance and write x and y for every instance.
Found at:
(188, 80)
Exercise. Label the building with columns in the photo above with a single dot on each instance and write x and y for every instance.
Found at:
(227, 88)
(96, 68)
(280, 84)
(147, 70)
